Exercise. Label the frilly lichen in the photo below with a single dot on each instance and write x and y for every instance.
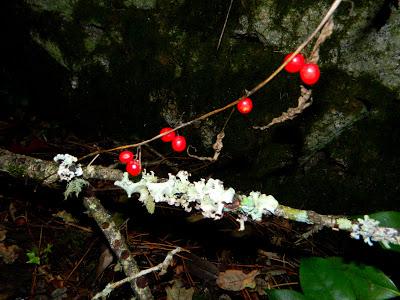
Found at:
(257, 204)
(207, 196)
(68, 168)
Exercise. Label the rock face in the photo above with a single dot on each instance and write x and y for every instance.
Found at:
(138, 65)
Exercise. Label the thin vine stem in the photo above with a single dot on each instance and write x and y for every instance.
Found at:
(330, 12)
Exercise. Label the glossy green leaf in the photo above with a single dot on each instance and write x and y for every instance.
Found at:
(370, 283)
(284, 295)
(332, 279)
(322, 279)
(388, 219)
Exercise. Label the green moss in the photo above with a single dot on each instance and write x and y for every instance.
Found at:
(17, 171)
(295, 214)
(141, 4)
(63, 7)
(344, 223)
(52, 48)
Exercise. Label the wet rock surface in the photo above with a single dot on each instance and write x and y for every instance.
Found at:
(124, 68)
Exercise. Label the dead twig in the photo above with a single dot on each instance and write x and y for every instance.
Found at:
(118, 245)
(303, 102)
(162, 267)
(80, 261)
(223, 28)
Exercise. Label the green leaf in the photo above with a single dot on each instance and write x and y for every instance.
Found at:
(32, 257)
(48, 249)
(284, 295)
(370, 283)
(332, 279)
(322, 279)
(388, 219)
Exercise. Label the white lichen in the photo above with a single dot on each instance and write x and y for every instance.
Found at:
(241, 221)
(256, 205)
(365, 228)
(68, 168)
(209, 196)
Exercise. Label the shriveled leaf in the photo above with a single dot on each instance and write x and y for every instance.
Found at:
(331, 279)
(388, 219)
(65, 216)
(105, 260)
(179, 292)
(236, 280)
(9, 253)
(284, 295)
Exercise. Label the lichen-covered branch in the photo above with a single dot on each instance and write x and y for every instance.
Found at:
(210, 198)
(118, 245)
(18, 165)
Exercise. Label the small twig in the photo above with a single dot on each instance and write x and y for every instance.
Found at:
(218, 145)
(80, 261)
(162, 267)
(94, 158)
(223, 28)
(303, 102)
(164, 159)
(283, 284)
(33, 286)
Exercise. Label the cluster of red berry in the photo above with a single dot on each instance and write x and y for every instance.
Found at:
(133, 166)
(309, 72)
(178, 142)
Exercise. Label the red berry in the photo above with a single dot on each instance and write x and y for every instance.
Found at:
(133, 167)
(168, 137)
(309, 73)
(245, 106)
(295, 64)
(125, 156)
(179, 143)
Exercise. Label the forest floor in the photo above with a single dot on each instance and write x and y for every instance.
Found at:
(51, 249)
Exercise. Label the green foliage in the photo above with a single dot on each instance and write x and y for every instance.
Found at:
(75, 186)
(388, 219)
(46, 251)
(332, 279)
(33, 257)
(36, 258)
